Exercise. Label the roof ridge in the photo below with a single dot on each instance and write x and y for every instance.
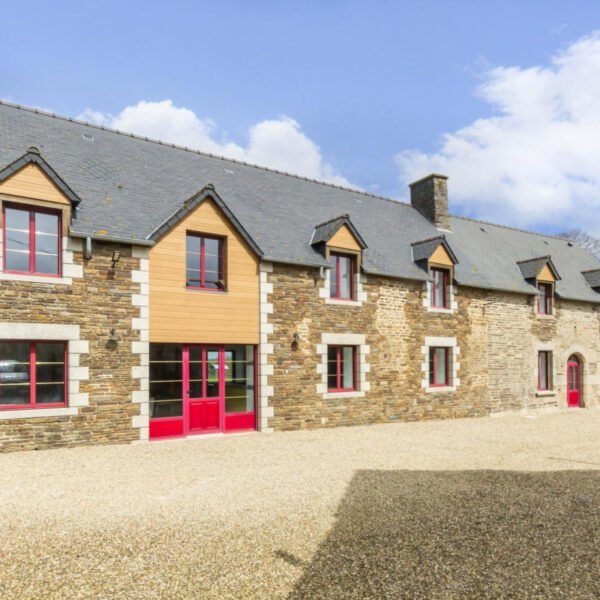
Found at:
(194, 151)
(512, 228)
(342, 216)
(545, 257)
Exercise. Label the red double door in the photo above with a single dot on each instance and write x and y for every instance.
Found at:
(573, 384)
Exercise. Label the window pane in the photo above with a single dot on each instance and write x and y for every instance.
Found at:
(17, 261)
(17, 219)
(212, 263)
(17, 240)
(46, 263)
(348, 367)
(543, 371)
(46, 224)
(50, 393)
(239, 379)
(193, 261)
(14, 373)
(333, 289)
(439, 291)
(440, 366)
(169, 408)
(196, 372)
(332, 383)
(345, 277)
(212, 373)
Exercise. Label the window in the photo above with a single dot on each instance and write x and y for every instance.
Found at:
(32, 374)
(545, 298)
(205, 260)
(439, 367)
(439, 288)
(166, 381)
(239, 379)
(341, 276)
(341, 368)
(32, 241)
(544, 371)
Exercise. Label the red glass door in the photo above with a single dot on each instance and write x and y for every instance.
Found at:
(203, 388)
(573, 384)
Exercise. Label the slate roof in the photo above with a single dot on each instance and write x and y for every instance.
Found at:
(593, 278)
(423, 250)
(129, 186)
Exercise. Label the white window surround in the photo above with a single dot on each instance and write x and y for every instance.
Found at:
(361, 295)
(427, 299)
(69, 269)
(76, 347)
(344, 339)
(440, 342)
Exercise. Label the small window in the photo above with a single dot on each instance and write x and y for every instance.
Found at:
(341, 368)
(32, 374)
(440, 288)
(439, 367)
(545, 298)
(32, 241)
(544, 370)
(341, 276)
(205, 262)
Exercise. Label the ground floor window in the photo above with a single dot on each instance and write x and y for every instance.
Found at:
(544, 370)
(197, 388)
(33, 374)
(341, 368)
(439, 366)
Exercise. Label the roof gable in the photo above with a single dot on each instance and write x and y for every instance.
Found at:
(33, 158)
(534, 267)
(325, 232)
(426, 249)
(206, 193)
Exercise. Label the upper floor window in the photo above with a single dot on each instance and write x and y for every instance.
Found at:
(341, 276)
(205, 262)
(341, 368)
(545, 291)
(544, 370)
(32, 240)
(32, 374)
(439, 367)
(439, 288)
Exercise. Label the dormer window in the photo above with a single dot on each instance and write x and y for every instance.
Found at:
(546, 293)
(440, 288)
(341, 276)
(205, 262)
(32, 240)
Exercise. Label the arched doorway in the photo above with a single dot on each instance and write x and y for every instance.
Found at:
(574, 379)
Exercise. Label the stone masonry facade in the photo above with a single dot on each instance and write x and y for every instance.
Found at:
(495, 338)
(97, 310)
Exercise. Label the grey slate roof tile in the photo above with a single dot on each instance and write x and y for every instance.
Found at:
(129, 186)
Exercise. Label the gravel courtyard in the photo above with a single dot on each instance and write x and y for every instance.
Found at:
(486, 508)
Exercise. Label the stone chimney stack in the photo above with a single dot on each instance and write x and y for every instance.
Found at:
(430, 197)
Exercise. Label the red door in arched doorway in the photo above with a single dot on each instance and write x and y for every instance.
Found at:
(573, 382)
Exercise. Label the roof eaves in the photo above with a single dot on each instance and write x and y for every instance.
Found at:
(33, 156)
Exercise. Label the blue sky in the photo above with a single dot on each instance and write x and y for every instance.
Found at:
(370, 89)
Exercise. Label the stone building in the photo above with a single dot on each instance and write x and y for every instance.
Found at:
(150, 291)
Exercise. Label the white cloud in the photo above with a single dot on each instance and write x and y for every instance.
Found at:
(278, 143)
(535, 162)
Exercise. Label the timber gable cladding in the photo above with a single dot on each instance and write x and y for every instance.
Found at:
(277, 295)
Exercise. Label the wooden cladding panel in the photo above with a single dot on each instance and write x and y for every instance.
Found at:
(546, 275)
(441, 257)
(181, 315)
(32, 182)
(345, 240)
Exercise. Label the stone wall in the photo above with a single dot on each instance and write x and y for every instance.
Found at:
(100, 363)
(496, 337)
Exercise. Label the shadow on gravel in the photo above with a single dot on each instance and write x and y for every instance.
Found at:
(474, 534)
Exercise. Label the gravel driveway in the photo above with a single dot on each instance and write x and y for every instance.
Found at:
(486, 508)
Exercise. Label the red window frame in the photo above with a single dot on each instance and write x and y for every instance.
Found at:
(33, 375)
(32, 210)
(435, 301)
(545, 356)
(222, 262)
(336, 256)
(544, 304)
(433, 366)
(339, 372)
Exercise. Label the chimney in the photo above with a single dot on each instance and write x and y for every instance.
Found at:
(430, 197)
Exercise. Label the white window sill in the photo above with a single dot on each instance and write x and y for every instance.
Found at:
(334, 395)
(541, 316)
(545, 393)
(343, 302)
(443, 311)
(36, 279)
(440, 389)
(29, 413)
